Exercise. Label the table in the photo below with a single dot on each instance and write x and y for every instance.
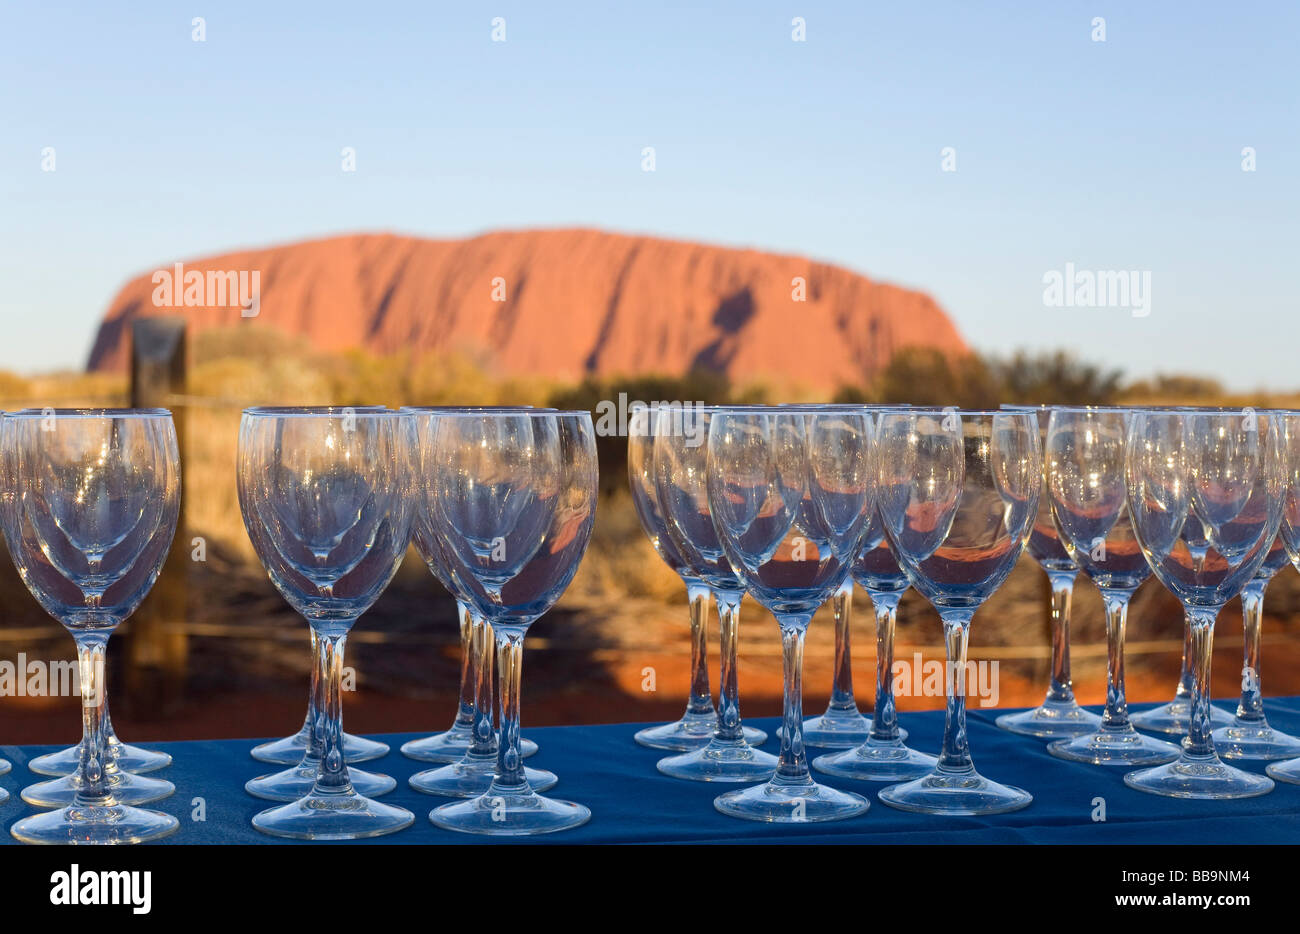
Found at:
(603, 768)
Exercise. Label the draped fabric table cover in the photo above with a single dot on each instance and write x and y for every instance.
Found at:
(604, 769)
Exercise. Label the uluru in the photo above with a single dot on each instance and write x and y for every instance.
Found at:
(564, 304)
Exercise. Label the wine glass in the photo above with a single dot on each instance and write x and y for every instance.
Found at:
(297, 780)
(1205, 498)
(452, 744)
(96, 497)
(1173, 716)
(681, 485)
(883, 756)
(958, 496)
(1288, 424)
(1085, 487)
(695, 727)
(512, 497)
(472, 773)
(325, 495)
(1059, 715)
(291, 749)
(790, 493)
(842, 726)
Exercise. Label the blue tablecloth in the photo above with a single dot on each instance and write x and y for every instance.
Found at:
(603, 768)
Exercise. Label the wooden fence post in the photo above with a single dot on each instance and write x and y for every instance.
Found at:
(156, 640)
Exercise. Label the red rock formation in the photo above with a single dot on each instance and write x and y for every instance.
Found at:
(577, 302)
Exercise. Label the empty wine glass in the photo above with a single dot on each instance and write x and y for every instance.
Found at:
(681, 484)
(452, 744)
(1173, 717)
(96, 500)
(790, 494)
(1288, 424)
(1205, 498)
(958, 495)
(119, 757)
(695, 727)
(325, 496)
(512, 497)
(1085, 487)
(842, 726)
(471, 774)
(298, 779)
(291, 749)
(1059, 714)
(883, 756)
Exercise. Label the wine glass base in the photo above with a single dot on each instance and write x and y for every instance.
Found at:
(1051, 720)
(290, 750)
(126, 757)
(955, 794)
(116, 823)
(450, 747)
(692, 731)
(296, 783)
(4, 766)
(1125, 747)
(470, 778)
(510, 814)
(779, 802)
(1288, 771)
(1204, 778)
(1173, 718)
(720, 761)
(837, 729)
(1254, 739)
(4, 796)
(877, 761)
(321, 816)
(125, 788)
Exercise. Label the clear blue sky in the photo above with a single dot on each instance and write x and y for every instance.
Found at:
(1123, 154)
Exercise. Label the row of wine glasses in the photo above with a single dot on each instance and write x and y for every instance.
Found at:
(500, 504)
(1204, 497)
(789, 503)
(1195, 496)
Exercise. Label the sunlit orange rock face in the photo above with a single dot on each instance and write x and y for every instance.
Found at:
(562, 304)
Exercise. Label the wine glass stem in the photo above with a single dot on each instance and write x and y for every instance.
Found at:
(842, 685)
(701, 698)
(792, 765)
(729, 728)
(510, 658)
(332, 771)
(955, 756)
(1199, 743)
(884, 720)
(1060, 690)
(1115, 716)
(314, 689)
(1186, 675)
(92, 763)
(465, 710)
(1252, 613)
(483, 738)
